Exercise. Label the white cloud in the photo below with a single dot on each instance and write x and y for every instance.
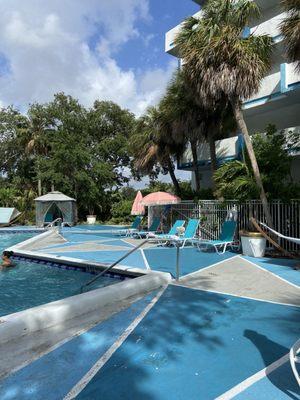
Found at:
(47, 47)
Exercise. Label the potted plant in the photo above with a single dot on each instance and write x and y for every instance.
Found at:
(91, 217)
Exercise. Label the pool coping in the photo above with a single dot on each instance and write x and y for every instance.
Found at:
(16, 325)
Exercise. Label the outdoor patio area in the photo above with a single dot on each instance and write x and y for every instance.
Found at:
(223, 346)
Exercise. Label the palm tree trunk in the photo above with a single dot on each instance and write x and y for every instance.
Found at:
(39, 187)
(195, 165)
(243, 128)
(173, 176)
(213, 157)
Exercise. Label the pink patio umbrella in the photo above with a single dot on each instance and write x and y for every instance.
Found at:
(160, 199)
(137, 206)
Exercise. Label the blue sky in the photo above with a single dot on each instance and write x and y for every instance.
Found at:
(91, 49)
(149, 49)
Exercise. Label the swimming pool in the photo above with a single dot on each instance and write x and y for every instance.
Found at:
(10, 239)
(30, 283)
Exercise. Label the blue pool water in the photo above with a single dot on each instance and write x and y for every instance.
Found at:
(30, 284)
(10, 239)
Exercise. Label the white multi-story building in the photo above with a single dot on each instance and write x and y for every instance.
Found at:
(277, 102)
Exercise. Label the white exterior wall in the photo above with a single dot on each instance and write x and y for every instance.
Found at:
(171, 35)
(277, 101)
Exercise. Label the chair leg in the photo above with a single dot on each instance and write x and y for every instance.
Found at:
(225, 247)
(216, 248)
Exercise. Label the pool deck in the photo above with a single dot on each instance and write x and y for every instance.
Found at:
(223, 331)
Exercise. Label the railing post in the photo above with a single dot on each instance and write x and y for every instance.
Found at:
(177, 262)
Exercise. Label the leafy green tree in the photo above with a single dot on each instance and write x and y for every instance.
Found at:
(14, 134)
(8, 197)
(109, 131)
(290, 28)
(223, 63)
(60, 144)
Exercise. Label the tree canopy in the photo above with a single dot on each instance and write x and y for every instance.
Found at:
(81, 152)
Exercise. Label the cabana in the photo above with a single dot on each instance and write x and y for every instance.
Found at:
(55, 205)
(8, 215)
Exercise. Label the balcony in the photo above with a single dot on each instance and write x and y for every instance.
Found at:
(270, 87)
(226, 149)
(275, 86)
(270, 27)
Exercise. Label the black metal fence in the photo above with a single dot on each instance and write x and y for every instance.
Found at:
(212, 213)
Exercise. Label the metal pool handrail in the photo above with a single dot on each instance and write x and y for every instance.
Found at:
(294, 358)
(113, 265)
(51, 224)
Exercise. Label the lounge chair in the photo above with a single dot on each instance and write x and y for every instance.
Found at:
(128, 231)
(172, 232)
(226, 238)
(189, 233)
(152, 229)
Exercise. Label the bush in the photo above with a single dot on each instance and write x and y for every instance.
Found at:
(121, 212)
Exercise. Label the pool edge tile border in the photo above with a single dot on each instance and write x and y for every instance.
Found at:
(85, 380)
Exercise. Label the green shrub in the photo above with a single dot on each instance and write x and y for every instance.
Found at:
(121, 212)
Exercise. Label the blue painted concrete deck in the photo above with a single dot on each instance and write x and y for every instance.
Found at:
(197, 345)
(158, 258)
(191, 345)
(190, 259)
(53, 375)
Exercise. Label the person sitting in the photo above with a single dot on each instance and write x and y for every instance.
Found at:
(6, 259)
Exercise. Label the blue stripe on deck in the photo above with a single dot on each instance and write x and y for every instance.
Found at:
(282, 267)
(52, 376)
(196, 345)
(191, 259)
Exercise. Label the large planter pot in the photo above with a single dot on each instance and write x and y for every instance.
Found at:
(253, 244)
(91, 219)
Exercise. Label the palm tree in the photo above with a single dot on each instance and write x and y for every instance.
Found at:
(194, 123)
(37, 144)
(221, 62)
(153, 144)
(290, 29)
(185, 118)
